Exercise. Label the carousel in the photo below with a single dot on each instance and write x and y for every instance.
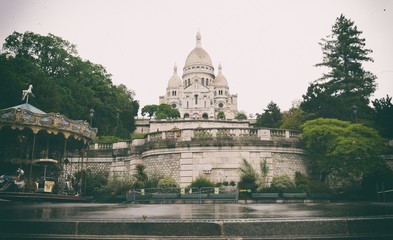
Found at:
(34, 146)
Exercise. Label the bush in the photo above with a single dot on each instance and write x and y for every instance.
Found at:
(108, 139)
(92, 182)
(201, 182)
(167, 182)
(301, 182)
(283, 183)
(119, 186)
(316, 186)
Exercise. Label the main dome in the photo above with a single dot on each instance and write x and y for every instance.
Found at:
(198, 56)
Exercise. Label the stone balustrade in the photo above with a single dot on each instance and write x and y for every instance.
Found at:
(205, 133)
(235, 133)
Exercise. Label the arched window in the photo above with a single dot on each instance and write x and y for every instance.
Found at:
(205, 116)
(186, 115)
(196, 99)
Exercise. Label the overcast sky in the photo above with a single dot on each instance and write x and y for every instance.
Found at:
(267, 49)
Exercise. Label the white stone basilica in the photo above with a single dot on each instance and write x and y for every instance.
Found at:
(200, 94)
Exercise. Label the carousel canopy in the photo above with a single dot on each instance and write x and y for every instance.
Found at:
(28, 107)
(27, 116)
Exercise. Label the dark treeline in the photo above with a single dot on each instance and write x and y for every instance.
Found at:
(63, 82)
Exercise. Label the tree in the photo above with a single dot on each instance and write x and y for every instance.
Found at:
(149, 109)
(63, 82)
(346, 84)
(342, 150)
(271, 117)
(383, 116)
(140, 175)
(294, 119)
(167, 111)
(248, 176)
(241, 116)
(221, 115)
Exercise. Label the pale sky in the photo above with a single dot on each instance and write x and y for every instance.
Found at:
(267, 49)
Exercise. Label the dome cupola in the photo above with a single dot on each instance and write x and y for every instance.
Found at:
(175, 80)
(198, 61)
(220, 80)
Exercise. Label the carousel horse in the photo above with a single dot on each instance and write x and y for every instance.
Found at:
(9, 180)
(26, 93)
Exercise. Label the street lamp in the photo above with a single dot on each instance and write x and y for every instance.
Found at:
(355, 111)
(117, 119)
(91, 116)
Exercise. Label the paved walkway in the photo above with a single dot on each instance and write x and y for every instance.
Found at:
(196, 221)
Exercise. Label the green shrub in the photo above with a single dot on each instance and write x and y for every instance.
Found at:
(138, 135)
(201, 182)
(117, 186)
(108, 139)
(283, 183)
(90, 182)
(166, 182)
(248, 177)
(301, 182)
(316, 186)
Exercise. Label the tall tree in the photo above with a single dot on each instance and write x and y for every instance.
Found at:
(383, 116)
(346, 84)
(342, 150)
(271, 117)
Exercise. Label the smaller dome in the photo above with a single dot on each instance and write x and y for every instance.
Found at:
(175, 80)
(220, 80)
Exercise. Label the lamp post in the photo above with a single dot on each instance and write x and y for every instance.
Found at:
(117, 120)
(117, 124)
(355, 111)
(91, 117)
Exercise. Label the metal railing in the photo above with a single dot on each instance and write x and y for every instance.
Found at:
(200, 195)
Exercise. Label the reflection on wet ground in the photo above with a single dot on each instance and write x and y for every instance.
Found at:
(89, 211)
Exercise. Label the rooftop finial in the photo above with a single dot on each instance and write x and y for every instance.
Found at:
(27, 92)
(175, 69)
(219, 67)
(198, 39)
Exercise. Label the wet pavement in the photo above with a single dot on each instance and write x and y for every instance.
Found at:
(94, 211)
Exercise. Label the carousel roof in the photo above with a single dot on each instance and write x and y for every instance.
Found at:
(28, 107)
(27, 116)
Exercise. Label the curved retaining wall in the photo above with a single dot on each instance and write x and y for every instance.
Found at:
(221, 162)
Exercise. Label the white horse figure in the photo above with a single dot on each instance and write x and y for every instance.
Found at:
(27, 92)
(7, 181)
(18, 181)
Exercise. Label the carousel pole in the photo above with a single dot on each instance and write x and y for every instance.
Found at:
(87, 158)
(64, 156)
(31, 162)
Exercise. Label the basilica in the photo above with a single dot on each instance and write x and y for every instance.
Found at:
(199, 93)
(207, 140)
